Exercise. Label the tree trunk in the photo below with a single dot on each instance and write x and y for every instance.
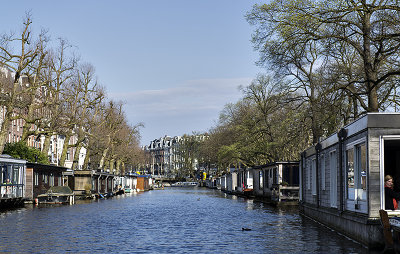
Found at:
(86, 162)
(64, 150)
(4, 133)
(76, 156)
(103, 158)
(46, 144)
(373, 100)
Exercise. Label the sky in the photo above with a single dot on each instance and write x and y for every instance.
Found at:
(174, 63)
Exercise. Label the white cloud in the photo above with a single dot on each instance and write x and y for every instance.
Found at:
(193, 106)
(204, 94)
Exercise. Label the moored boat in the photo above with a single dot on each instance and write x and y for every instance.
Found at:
(185, 184)
(57, 195)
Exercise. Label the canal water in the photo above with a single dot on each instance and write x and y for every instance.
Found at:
(173, 220)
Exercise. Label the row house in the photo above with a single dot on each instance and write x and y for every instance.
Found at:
(163, 156)
(15, 132)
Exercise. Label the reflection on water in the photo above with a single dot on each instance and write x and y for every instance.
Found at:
(174, 220)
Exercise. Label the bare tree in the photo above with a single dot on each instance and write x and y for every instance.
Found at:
(25, 63)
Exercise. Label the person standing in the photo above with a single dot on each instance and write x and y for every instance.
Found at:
(391, 196)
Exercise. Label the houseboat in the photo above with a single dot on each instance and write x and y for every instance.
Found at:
(143, 182)
(342, 177)
(245, 182)
(277, 183)
(12, 181)
(231, 183)
(41, 177)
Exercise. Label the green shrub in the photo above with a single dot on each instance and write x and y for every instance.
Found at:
(20, 150)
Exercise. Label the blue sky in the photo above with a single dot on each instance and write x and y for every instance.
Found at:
(174, 63)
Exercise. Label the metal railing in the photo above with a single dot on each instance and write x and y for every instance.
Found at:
(11, 190)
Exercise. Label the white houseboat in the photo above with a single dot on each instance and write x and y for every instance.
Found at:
(342, 177)
(277, 182)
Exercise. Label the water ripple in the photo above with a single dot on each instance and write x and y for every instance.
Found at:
(175, 220)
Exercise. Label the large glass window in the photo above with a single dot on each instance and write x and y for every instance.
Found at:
(361, 176)
(314, 177)
(36, 174)
(333, 178)
(350, 173)
(51, 180)
(15, 174)
(45, 178)
(323, 172)
(356, 172)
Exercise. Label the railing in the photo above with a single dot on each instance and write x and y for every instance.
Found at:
(11, 190)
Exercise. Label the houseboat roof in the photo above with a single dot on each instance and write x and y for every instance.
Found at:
(59, 190)
(275, 163)
(369, 120)
(35, 165)
(9, 159)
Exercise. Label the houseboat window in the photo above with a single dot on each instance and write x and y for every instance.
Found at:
(36, 178)
(308, 175)
(59, 181)
(350, 173)
(314, 177)
(3, 175)
(361, 181)
(15, 174)
(322, 172)
(333, 178)
(356, 172)
(260, 180)
(10, 173)
(51, 180)
(45, 179)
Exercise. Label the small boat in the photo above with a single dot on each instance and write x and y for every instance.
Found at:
(185, 184)
(57, 195)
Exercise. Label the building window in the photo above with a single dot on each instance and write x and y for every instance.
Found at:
(261, 180)
(60, 181)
